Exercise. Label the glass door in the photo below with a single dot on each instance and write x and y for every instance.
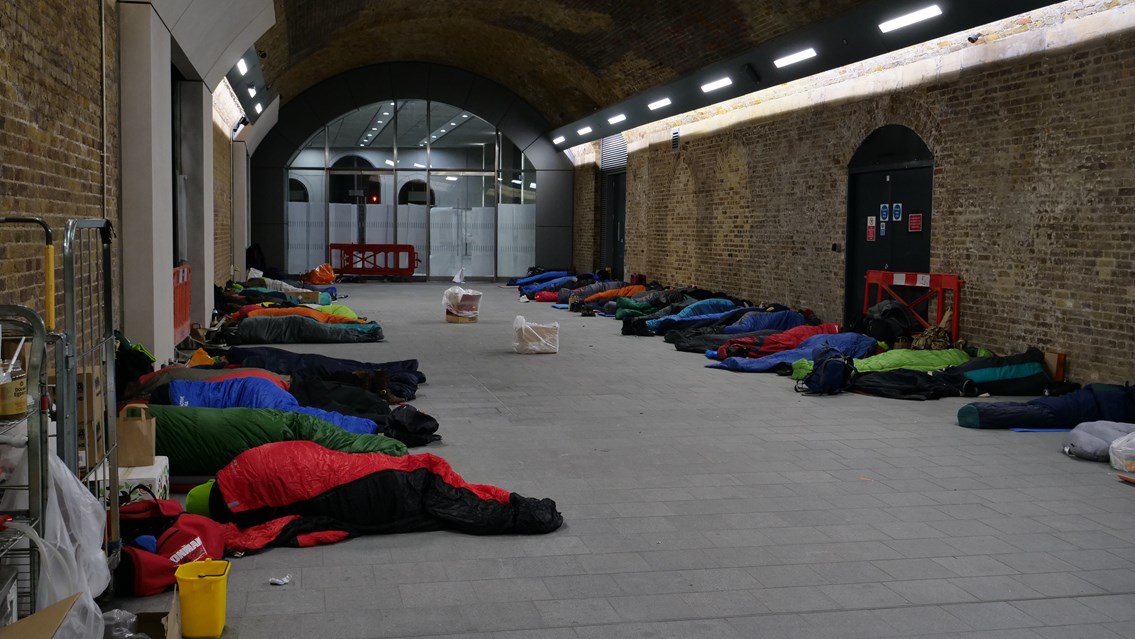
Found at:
(462, 225)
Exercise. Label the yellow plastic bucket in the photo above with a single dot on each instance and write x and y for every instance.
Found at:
(202, 586)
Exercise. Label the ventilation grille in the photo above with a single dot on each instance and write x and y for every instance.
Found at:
(613, 153)
(675, 140)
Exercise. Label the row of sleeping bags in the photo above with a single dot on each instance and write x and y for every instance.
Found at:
(267, 311)
(207, 416)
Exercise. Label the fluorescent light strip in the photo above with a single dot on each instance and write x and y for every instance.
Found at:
(558, 139)
(518, 182)
(584, 131)
(451, 178)
(617, 119)
(716, 84)
(659, 104)
(390, 163)
(241, 66)
(419, 166)
(795, 57)
(531, 185)
(933, 11)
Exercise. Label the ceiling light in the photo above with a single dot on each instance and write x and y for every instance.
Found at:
(518, 182)
(795, 57)
(374, 128)
(390, 163)
(259, 108)
(252, 90)
(452, 124)
(443, 130)
(659, 104)
(464, 115)
(386, 112)
(716, 84)
(584, 131)
(419, 166)
(362, 144)
(391, 104)
(433, 137)
(932, 11)
(531, 185)
(378, 121)
(241, 66)
(558, 139)
(451, 179)
(617, 119)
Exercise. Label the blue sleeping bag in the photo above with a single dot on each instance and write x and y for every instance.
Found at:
(703, 307)
(852, 345)
(553, 285)
(539, 277)
(256, 392)
(761, 321)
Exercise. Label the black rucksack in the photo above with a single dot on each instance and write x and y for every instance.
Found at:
(411, 426)
(831, 373)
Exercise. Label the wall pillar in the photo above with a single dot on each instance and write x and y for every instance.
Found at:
(147, 169)
(240, 207)
(196, 129)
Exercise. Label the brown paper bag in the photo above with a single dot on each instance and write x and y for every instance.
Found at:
(137, 431)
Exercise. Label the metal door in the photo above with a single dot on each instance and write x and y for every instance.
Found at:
(888, 227)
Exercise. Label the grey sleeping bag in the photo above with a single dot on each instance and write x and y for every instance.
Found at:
(1092, 440)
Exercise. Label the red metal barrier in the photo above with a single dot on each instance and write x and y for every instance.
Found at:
(937, 285)
(182, 303)
(374, 260)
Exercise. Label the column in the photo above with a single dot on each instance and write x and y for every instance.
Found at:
(196, 129)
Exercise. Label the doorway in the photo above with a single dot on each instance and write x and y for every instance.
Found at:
(615, 214)
(890, 189)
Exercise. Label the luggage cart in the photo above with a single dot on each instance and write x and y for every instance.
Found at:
(84, 364)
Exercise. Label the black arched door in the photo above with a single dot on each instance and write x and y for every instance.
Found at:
(890, 187)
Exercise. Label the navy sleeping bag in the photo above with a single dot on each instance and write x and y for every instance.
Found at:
(553, 285)
(852, 345)
(296, 329)
(539, 277)
(1094, 402)
(696, 309)
(256, 392)
(761, 321)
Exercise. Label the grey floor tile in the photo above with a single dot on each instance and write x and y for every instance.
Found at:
(1081, 631)
(1058, 584)
(726, 603)
(283, 601)
(575, 612)
(852, 596)
(997, 588)
(922, 620)
(992, 616)
(930, 591)
(443, 593)
(795, 599)
(582, 586)
(652, 607)
(1062, 612)
(853, 624)
(694, 629)
(493, 617)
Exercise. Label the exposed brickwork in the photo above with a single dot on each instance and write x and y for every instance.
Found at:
(1033, 201)
(51, 132)
(585, 250)
(565, 57)
(222, 205)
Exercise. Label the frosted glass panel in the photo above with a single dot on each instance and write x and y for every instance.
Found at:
(447, 247)
(380, 224)
(316, 242)
(297, 237)
(516, 239)
(344, 224)
(413, 229)
(481, 241)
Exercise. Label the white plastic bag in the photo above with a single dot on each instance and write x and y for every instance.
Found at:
(1122, 453)
(530, 338)
(74, 525)
(462, 302)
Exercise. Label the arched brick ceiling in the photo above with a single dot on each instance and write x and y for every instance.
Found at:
(567, 58)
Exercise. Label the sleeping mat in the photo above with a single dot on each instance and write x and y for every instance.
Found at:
(201, 441)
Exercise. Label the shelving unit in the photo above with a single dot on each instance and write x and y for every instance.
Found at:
(25, 498)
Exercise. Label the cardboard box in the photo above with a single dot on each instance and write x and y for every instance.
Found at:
(90, 418)
(162, 624)
(458, 319)
(43, 624)
(9, 603)
(307, 297)
(155, 477)
(137, 431)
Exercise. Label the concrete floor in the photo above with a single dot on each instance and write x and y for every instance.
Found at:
(704, 503)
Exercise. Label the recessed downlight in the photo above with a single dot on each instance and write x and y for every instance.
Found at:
(617, 118)
(584, 131)
(241, 66)
(658, 104)
(558, 139)
(252, 90)
(374, 128)
(390, 163)
(933, 11)
(419, 166)
(259, 108)
(716, 84)
(795, 57)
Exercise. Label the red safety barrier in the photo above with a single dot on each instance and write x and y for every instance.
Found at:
(937, 285)
(182, 303)
(374, 260)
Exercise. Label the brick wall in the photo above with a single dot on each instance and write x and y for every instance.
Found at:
(51, 131)
(585, 250)
(1034, 203)
(222, 205)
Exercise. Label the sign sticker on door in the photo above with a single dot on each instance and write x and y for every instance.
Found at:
(882, 229)
(870, 228)
(884, 212)
(914, 223)
(898, 211)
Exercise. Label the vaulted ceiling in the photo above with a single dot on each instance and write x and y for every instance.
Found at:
(567, 58)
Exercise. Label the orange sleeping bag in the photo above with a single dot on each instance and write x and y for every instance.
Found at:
(626, 291)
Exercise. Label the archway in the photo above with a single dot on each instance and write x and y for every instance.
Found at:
(889, 197)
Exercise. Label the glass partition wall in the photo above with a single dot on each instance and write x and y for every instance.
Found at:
(414, 172)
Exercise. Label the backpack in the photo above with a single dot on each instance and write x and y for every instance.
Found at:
(411, 426)
(831, 373)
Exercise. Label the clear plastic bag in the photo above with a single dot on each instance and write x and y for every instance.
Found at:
(1122, 453)
(119, 624)
(530, 338)
(74, 525)
(462, 302)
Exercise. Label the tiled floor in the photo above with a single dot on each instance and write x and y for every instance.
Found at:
(704, 503)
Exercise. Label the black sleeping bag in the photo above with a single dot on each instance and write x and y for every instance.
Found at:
(1094, 402)
(296, 329)
(404, 374)
(1020, 374)
(707, 340)
(904, 383)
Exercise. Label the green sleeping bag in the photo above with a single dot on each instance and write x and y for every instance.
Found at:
(201, 441)
(894, 359)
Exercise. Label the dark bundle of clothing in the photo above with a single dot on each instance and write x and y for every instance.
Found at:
(403, 377)
(887, 321)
